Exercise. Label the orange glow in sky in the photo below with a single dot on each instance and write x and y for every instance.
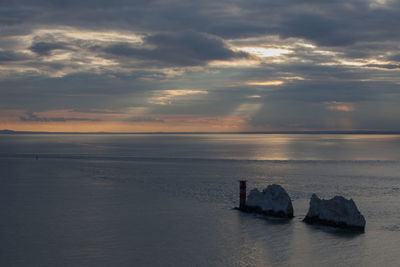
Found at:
(118, 122)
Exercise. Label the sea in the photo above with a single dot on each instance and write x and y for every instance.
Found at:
(167, 199)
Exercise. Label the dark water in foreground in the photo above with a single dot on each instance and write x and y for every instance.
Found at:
(165, 200)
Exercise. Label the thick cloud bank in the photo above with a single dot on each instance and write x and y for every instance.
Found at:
(264, 65)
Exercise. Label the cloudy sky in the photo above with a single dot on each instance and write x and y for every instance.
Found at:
(171, 65)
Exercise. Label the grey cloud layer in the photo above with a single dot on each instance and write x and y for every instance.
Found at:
(32, 117)
(182, 49)
(332, 23)
(179, 39)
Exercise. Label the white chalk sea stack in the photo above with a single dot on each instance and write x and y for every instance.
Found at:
(338, 212)
(272, 201)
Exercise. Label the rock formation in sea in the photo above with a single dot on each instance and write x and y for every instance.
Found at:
(338, 212)
(272, 201)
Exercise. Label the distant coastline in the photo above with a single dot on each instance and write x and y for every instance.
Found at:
(6, 131)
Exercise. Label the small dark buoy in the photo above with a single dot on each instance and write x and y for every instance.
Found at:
(37, 157)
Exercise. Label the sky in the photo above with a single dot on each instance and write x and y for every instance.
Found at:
(171, 65)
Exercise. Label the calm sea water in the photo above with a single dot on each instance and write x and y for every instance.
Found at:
(165, 200)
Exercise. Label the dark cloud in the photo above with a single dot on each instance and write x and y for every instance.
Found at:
(331, 23)
(13, 16)
(32, 117)
(183, 49)
(385, 66)
(9, 56)
(318, 28)
(45, 48)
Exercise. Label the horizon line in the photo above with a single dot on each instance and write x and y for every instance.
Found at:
(7, 131)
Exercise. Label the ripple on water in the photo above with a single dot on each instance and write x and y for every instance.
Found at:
(393, 228)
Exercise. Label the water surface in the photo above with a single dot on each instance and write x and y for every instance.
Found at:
(165, 200)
